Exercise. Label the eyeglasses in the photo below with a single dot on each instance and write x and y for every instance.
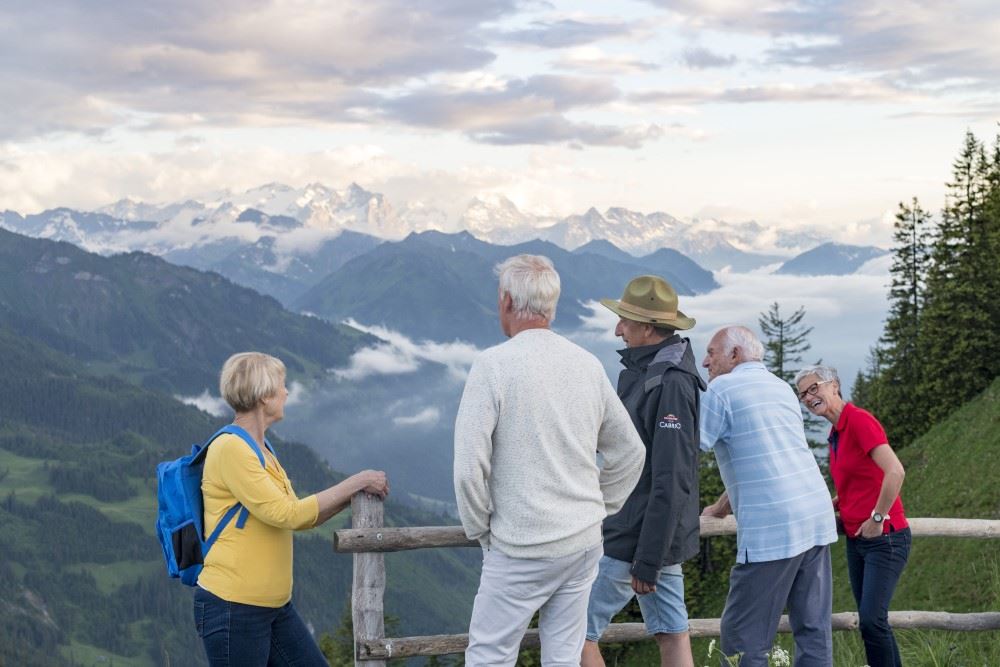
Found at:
(812, 389)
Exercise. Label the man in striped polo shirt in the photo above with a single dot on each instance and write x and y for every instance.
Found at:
(784, 513)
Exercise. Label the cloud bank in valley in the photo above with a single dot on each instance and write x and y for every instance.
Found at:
(398, 354)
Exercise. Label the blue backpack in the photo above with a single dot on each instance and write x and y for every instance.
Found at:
(179, 523)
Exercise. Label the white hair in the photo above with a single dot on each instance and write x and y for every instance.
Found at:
(532, 283)
(824, 373)
(739, 336)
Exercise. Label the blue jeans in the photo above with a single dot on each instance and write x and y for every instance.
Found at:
(663, 611)
(244, 635)
(874, 567)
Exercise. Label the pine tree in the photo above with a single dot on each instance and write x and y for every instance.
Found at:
(339, 648)
(893, 392)
(864, 392)
(785, 341)
(958, 336)
(861, 391)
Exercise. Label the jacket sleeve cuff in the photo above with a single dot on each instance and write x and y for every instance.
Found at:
(645, 572)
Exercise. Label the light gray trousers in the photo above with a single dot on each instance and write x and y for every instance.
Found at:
(758, 593)
(511, 590)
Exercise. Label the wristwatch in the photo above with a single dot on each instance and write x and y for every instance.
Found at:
(879, 518)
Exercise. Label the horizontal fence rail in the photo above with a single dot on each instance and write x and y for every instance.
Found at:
(368, 540)
(382, 540)
(407, 647)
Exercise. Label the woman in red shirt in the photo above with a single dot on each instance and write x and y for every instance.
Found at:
(867, 477)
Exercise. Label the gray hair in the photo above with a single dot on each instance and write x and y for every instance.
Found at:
(739, 336)
(532, 283)
(824, 373)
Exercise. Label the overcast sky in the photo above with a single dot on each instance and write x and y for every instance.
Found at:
(795, 113)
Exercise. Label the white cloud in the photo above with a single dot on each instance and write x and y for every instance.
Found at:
(847, 313)
(399, 354)
(297, 393)
(426, 417)
(206, 402)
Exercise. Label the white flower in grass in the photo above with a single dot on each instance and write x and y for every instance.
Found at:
(780, 657)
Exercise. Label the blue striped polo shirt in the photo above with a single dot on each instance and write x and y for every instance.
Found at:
(782, 506)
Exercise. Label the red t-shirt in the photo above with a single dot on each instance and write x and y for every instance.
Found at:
(857, 478)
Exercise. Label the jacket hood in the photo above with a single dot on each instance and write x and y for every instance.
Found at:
(675, 351)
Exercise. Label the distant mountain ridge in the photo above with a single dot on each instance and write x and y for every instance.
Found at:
(318, 210)
(830, 259)
(167, 327)
(441, 286)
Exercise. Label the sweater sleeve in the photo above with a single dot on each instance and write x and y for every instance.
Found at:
(621, 448)
(241, 472)
(477, 418)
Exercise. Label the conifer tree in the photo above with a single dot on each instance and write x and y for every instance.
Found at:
(893, 390)
(864, 392)
(785, 341)
(958, 335)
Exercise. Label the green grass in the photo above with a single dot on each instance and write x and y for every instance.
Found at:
(91, 656)
(23, 476)
(28, 479)
(112, 576)
(139, 509)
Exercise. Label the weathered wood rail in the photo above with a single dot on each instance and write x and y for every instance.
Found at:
(369, 539)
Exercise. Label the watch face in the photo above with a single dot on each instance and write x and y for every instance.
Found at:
(876, 517)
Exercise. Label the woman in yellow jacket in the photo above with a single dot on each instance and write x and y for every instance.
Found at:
(242, 606)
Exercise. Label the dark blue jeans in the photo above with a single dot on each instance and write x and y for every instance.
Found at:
(874, 567)
(244, 635)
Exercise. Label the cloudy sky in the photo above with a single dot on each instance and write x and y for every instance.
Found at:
(803, 112)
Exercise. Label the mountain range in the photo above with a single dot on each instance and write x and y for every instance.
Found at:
(831, 259)
(441, 286)
(304, 216)
(165, 326)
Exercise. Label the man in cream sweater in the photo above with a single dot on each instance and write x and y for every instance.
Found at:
(535, 413)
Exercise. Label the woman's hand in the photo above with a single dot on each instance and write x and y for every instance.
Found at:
(869, 530)
(374, 482)
(836, 503)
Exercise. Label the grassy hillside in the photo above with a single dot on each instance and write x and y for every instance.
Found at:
(950, 472)
(81, 574)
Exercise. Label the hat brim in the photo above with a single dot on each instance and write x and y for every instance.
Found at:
(681, 321)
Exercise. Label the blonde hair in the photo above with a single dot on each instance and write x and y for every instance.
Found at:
(532, 283)
(248, 377)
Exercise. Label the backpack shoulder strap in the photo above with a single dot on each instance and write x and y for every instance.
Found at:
(233, 429)
(224, 521)
(244, 513)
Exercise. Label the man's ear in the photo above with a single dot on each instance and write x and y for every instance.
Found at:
(506, 302)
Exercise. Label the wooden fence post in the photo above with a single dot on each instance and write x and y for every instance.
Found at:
(368, 589)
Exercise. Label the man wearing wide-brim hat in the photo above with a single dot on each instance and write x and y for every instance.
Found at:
(657, 529)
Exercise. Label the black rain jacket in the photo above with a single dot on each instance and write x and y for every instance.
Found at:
(659, 523)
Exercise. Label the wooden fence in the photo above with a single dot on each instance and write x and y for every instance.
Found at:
(369, 539)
